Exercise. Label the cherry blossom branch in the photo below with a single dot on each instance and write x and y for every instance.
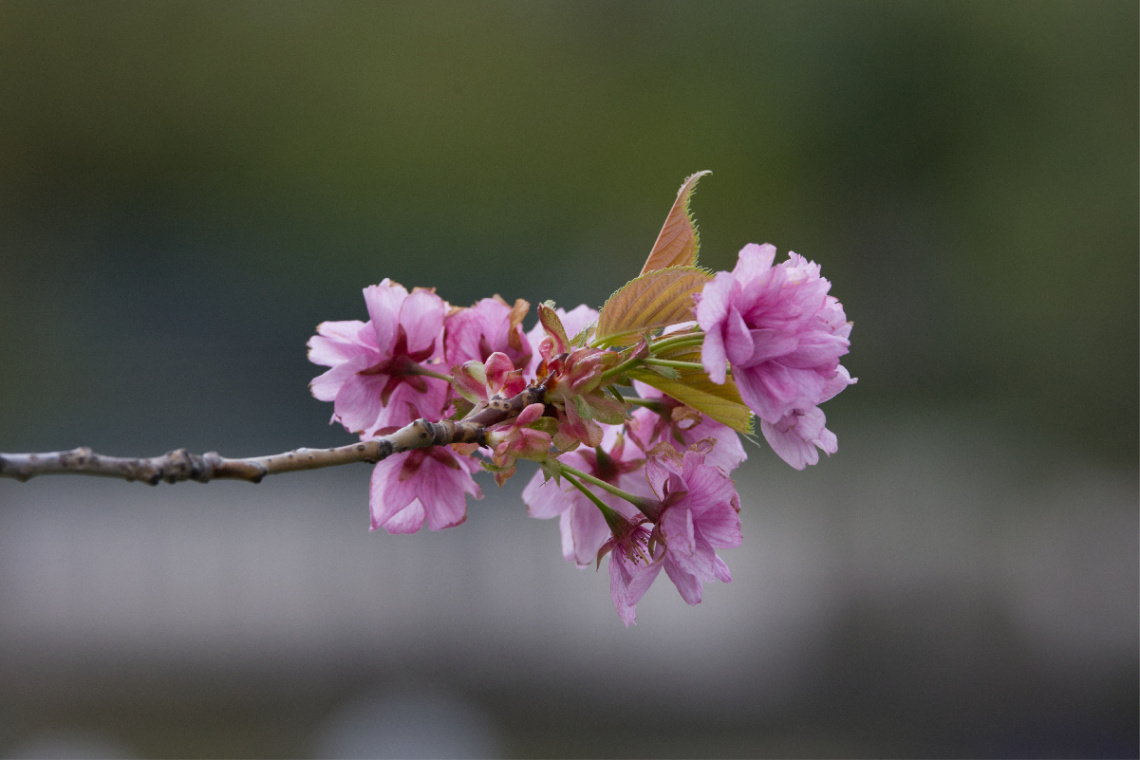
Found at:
(181, 465)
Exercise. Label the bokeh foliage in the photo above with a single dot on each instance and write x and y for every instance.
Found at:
(186, 189)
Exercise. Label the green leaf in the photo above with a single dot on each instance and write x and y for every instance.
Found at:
(463, 407)
(653, 300)
(666, 372)
(678, 242)
(607, 409)
(693, 387)
(547, 425)
(551, 469)
(583, 335)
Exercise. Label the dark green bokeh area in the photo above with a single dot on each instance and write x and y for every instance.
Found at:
(187, 189)
(211, 180)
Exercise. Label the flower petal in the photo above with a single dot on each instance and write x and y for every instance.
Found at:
(629, 581)
(687, 584)
(720, 526)
(337, 342)
(383, 302)
(545, 498)
(754, 261)
(588, 531)
(738, 344)
(358, 404)
(419, 485)
(421, 316)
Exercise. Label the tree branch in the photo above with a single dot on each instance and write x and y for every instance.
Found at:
(181, 465)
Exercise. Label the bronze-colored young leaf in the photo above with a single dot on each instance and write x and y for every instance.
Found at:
(654, 300)
(553, 326)
(678, 242)
(693, 387)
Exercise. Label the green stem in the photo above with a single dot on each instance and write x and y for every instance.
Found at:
(674, 364)
(419, 369)
(656, 406)
(677, 341)
(619, 370)
(636, 501)
(607, 511)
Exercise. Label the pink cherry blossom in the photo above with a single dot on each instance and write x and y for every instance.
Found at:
(797, 435)
(697, 513)
(632, 566)
(583, 528)
(782, 334)
(487, 327)
(422, 485)
(372, 380)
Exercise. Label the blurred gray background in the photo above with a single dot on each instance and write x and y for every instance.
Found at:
(187, 189)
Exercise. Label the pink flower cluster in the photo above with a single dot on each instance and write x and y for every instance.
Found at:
(659, 455)
(643, 480)
(694, 510)
(378, 383)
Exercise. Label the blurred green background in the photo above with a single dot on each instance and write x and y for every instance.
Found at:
(187, 189)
